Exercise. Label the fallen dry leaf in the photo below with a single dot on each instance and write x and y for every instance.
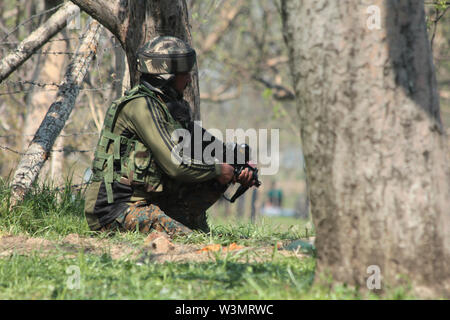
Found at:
(210, 247)
(233, 246)
(217, 247)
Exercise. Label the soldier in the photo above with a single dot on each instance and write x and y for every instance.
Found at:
(136, 185)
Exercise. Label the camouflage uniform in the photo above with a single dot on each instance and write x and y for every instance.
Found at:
(170, 212)
(136, 185)
(145, 217)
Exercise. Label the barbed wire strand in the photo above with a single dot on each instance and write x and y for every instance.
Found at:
(51, 40)
(30, 19)
(72, 53)
(45, 90)
(74, 186)
(61, 135)
(55, 84)
(66, 149)
(40, 84)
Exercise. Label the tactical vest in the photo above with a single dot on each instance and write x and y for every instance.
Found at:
(136, 166)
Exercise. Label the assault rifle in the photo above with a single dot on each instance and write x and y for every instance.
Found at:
(240, 152)
(241, 158)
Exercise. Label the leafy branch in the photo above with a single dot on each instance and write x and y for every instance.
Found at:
(440, 7)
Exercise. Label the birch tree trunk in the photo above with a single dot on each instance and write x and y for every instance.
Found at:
(376, 154)
(36, 40)
(49, 71)
(41, 145)
(138, 21)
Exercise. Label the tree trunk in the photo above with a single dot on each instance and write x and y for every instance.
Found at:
(122, 78)
(138, 21)
(39, 149)
(240, 206)
(375, 149)
(49, 71)
(253, 205)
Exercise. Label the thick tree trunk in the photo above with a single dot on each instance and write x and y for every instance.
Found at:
(36, 40)
(138, 21)
(376, 154)
(39, 149)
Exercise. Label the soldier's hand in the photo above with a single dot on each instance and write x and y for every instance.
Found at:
(227, 174)
(245, 178)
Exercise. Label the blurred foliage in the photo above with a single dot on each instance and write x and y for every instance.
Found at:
(438, 23)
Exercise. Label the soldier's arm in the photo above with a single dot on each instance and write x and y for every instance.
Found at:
(150, 125)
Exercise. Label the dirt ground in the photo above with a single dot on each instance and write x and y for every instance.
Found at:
(155, 249)
(71, 245)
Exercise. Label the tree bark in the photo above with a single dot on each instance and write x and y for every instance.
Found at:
(49, 71)
(138, 21)
(253, 205)
(122, 78)
(36, 40)
(375, 149)
(41, 145)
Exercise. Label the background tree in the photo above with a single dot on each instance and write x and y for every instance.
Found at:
(244, 82)
(438, 22)
(375, 147)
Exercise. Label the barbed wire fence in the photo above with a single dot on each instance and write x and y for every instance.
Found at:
(43, 85)
(66, 149)
(37, 15)
(73, 187)
(9, 87)
(61, 135)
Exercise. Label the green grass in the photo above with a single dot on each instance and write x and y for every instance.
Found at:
(44, 213)
(52, 214)
(34, 277)
(280, 224)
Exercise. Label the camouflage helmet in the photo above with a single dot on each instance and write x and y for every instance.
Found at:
(165, 55)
